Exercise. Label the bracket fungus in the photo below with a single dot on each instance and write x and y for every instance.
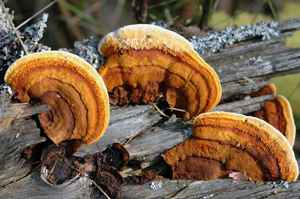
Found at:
(225, 143)
(279, 114)
(72, 89)
(147, 63)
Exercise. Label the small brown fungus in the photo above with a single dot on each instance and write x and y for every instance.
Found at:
(224, 143)
(279, 114)
(147, 63)
(73, 90)
(116, 156)
(110, 180)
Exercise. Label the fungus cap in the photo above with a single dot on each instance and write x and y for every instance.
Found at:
(145, 62)
(279, 114)
(73, 90)
(237, 143)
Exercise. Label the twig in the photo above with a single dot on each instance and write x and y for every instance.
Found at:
(94, 183)
(30, 18)
(35, 168)
(251, 8)
(272, 9)
(31, 163)
(177, 109)
(39, 12)
(14, 28)
(168, 14)
(18, 104)
(249, 80)
(216, 4)
(93, 8)
(83, 173)
(127, 141)
(255, 16)
(158, 109)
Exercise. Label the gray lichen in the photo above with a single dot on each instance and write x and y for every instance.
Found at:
(285, 184)
(4, 25)
(156, 185)
(214, 41)
(88, 50)
(34, 33)
(171, 120)
(10, 47)
(254, 60)
(160, 23)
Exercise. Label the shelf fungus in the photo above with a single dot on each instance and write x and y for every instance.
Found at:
(147, 63)
(279, 114)
(72, 89)
(226, 143)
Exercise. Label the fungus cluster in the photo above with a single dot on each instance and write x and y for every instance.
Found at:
(147, 63)
(224, 143)
(72, 89)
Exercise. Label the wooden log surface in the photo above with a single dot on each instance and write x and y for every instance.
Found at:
(221, 188)
(145, 138)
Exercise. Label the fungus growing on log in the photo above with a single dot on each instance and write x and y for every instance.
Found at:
(225, 143)
(266, 90)
(72, 89)
(147, 63)
(279, 114)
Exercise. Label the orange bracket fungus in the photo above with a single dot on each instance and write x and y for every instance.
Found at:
(266, 90)
(72, 89)
(147, 63)
(279, 114)
(226, 143)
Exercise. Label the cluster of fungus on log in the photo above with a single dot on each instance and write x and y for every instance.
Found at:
(225, 143)
(72, 89)
(279, 114)
(103, 168)
(147, 63)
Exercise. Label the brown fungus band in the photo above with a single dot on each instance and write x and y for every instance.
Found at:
(225, 143)
(72, 89)
(147, 63)
(279, 114)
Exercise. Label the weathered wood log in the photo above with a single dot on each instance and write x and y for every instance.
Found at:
(33, 187)
(225, 188)
(145, 139)
(16, 134)
(124, 124)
